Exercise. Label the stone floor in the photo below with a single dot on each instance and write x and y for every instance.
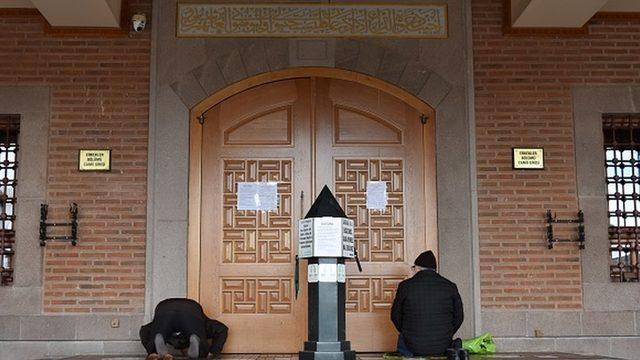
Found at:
(366, 356)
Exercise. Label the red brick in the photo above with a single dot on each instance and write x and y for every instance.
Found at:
(99, 98)
(523, 98)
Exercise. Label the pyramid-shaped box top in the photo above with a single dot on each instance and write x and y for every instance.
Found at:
(325, 231)
(325, 205)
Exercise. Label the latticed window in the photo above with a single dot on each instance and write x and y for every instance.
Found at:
(622, 163)
(9, 129)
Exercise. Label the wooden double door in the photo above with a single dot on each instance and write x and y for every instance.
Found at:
(305, 133)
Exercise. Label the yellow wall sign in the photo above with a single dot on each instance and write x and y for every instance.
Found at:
(94, 160)
(528, 158)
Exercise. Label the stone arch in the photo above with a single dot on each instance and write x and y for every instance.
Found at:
(395, 72)
(402, 69)
(217, 65)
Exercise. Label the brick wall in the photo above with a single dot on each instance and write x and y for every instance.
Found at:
(523, 98)
(99, 99)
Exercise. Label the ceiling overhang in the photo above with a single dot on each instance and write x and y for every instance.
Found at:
(567, 14)
(17, 4)
(74, 13)
(622, 6)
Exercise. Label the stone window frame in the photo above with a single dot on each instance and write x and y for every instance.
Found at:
(589, 104)
(32, 103)
(621, 167)
(9, 132)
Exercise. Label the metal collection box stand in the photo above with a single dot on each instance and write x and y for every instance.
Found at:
(325, 239)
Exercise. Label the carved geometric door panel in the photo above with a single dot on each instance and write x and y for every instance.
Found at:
(257, 236)
(379, 234)
(364, 134)
(303, 134)
(371, 294)
(247, 262)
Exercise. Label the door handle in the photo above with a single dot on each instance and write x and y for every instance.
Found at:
(301, 204)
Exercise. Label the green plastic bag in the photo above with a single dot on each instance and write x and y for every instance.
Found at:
(482, 344)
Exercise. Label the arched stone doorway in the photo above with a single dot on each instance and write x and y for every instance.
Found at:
(304, 128)
(183, 82)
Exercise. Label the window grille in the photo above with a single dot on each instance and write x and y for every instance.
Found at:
(9, 129)
(622, 165)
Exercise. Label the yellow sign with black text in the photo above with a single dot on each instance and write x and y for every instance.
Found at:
(528, 158)
(94, 160)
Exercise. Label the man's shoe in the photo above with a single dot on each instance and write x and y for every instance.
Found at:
(463, 354)
(153, 356)
(452, 354)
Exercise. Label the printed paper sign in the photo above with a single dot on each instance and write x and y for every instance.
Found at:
(325, 237)
(328, 273)
(305, 238)
(328, 237)
(257, 196)
(376, 195)
(342, 273)
(348, 245)
(312, 273)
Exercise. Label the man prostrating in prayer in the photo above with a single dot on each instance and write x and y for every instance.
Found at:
(182, 324)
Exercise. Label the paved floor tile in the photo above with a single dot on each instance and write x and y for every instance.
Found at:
(365, 356)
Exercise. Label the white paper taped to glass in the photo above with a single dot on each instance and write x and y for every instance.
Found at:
(376, 195)
(257, 196)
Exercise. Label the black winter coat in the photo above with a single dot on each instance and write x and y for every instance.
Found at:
(427, 311)
(187, 317)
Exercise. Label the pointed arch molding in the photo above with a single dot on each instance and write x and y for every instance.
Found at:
(400, 74)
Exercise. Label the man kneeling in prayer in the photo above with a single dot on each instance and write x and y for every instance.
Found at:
(183, 324)
(427, 311)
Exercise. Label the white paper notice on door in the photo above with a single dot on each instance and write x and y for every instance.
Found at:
(376, 195)
(257, 196)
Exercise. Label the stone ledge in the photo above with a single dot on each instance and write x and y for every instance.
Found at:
(626, 347)
(17, 350)
(70, 327)
(514, 323)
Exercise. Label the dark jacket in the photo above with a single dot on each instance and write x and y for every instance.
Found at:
(184, 317)
(427, 311)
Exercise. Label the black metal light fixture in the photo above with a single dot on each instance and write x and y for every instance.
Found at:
(551, 220)
(73, 225)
